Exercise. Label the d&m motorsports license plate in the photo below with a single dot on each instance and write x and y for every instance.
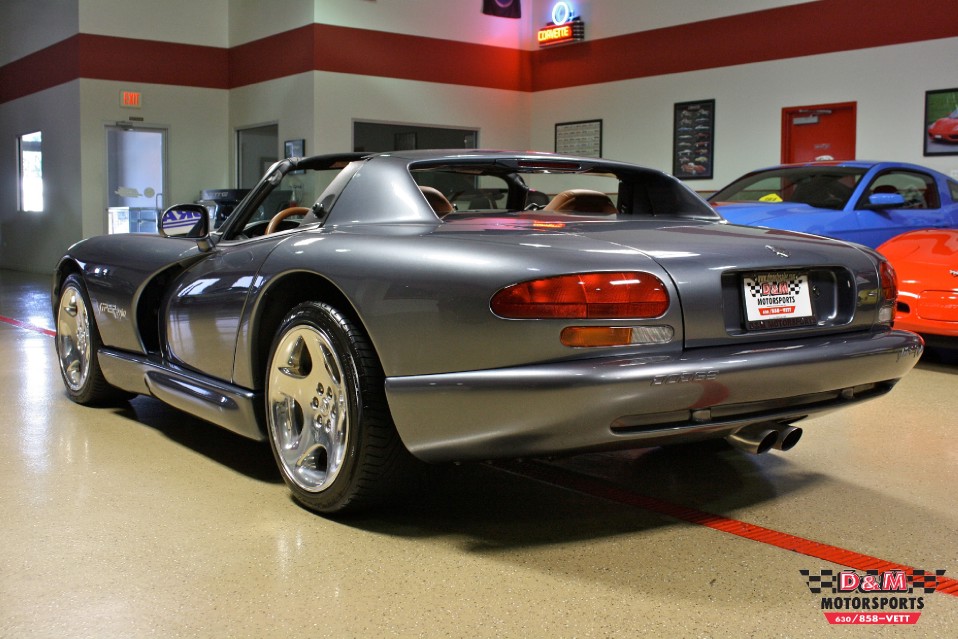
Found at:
(777, 300)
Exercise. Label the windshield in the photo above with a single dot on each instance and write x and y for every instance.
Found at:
(827, 187)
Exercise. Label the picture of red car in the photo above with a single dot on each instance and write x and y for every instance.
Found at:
(926, 262)
(945, 129)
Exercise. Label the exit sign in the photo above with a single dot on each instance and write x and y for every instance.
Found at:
(131, 99)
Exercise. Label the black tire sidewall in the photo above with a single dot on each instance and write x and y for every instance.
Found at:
(343, 336)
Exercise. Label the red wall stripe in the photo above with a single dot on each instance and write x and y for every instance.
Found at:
(321, 47)
(49, 67)
(126, 59)
(396, 55)
(277, 56)
(825, 26)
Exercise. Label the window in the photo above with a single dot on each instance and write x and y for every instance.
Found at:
(918, 189)
(31, 172)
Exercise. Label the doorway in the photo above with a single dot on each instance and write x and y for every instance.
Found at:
(820, 132)
(379, 138)
(257, 148)
(136, 177)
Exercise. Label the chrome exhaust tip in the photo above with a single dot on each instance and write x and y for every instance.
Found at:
(755, 439)
(788, 437)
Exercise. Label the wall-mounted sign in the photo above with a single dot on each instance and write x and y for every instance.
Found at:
(565, 27)
(131, 99)
(583, 138)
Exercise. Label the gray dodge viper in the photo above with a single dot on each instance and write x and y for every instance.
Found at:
(363, 311)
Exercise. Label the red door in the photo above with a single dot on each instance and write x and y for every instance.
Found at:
(821, 132)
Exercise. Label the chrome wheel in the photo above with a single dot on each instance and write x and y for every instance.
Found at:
(308, 399)
(74, 347)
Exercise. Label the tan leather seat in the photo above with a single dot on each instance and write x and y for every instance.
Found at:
(437, 200)
(582, 201)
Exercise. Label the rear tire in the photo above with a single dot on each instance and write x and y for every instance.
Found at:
(328, 423)
(77, 344)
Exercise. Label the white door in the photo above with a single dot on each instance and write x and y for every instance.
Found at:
(136, 178)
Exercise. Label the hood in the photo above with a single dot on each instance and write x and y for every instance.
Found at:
(944, 125)
(924, 260)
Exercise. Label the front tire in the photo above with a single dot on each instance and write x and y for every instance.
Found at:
(77, 344)
(328, 423)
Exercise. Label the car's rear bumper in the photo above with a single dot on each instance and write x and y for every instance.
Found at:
(554, 408)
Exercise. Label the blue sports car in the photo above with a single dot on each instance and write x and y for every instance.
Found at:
(864, 202)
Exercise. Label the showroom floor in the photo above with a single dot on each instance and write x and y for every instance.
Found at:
(139, 521)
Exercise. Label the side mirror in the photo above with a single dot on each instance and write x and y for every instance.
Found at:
(186, 220)
(880, 201)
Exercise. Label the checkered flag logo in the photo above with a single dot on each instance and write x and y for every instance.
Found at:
(755, 288)
(927, 580)
(825, 580)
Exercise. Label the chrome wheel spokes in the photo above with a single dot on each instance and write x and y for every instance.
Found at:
(73, 338)
(308, 402)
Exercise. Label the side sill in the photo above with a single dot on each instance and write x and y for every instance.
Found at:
(234, 408)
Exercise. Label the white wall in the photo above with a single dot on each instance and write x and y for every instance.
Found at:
(501, 117)
(447, 19)
(888, 83)
(33, 241)
(32, 25)
(203, 22)
(198, 140)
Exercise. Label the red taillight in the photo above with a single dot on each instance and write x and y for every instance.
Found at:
(889, 282)
(630, 295)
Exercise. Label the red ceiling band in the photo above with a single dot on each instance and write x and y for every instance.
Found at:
(804, 29)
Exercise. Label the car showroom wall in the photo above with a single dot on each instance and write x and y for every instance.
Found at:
(313, 67)
(73, 115)
(887, 83)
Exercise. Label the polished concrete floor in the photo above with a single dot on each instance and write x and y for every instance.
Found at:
(139, 521)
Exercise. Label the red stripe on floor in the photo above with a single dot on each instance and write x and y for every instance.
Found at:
(597, 488)
(29, 327)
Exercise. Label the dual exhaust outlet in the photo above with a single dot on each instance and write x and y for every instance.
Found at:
(761, 438)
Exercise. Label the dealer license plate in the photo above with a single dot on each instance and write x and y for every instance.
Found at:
(777, 300)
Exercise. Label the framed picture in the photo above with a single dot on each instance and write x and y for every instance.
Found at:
(693, 140)
(941, 122)
(583, 138)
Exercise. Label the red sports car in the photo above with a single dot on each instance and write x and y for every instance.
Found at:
(945, 129)
(927, 265)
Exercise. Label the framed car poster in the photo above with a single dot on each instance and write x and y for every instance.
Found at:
(583, 138)
(693, 140)
(941, 122)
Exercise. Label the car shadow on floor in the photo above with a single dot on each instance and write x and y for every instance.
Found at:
(940, 359)
(505, 505)
(245, 456)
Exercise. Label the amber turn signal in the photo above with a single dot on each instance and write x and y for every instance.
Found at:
(596, 336)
